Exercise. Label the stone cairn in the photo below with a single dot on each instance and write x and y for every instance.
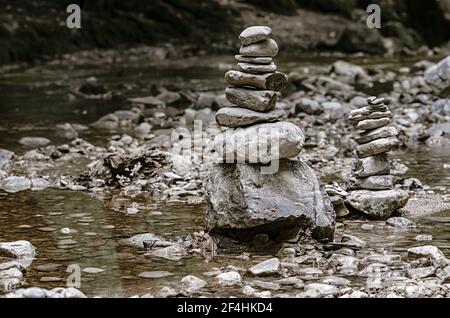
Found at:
(373, 185)
(254, 188)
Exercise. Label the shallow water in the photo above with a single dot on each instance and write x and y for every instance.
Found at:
(34, 100)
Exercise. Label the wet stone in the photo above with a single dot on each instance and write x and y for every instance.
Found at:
(155, 274)
(400, 222)
(49, 267)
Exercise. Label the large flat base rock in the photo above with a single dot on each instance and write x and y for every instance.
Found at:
(377, 204)
(243, 202)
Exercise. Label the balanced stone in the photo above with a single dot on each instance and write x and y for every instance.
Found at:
(375, 147)
(254, 60)
(238, 116)
(256, 68)
(380, 182)
(358, 113)
(373, 165)
(382, 132)
(254, 34)
(265, 48)
(358, 116)
(259, 100)
(377, 204)
(372, 123)
(374, 101)
(242, 202)
(271, 81)
(259, 143)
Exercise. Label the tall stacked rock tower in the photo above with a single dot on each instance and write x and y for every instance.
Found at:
(255, 188)
(373, 184)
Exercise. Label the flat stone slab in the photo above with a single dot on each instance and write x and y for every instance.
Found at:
(358, 116)
(380, 182)
(239, 117)
(256, 68)
(254, 60)
(375, 147)
(382, 132)
(259, 143)
(254, 34)
(259, 100)
(264, 48)
(377, 204)
(372, 123)
(243, 202)
(269, 81)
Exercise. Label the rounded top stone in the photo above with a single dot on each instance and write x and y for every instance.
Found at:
(254, 34)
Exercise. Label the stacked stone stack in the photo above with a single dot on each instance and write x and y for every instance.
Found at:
(374, 193)
(255, 188)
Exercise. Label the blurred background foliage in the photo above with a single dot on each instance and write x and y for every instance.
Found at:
(31, 30)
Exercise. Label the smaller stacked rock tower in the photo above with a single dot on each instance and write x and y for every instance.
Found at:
(256, 188)
(254, 82)
(373, 185)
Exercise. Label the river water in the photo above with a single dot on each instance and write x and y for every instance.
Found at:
(33, 100)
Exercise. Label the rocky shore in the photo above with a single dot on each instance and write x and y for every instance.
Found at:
(142, 158)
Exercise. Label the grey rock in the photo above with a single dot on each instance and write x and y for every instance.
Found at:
(254, 34)
(243, 202)
(382, 132)
(148, 101)
(365, 113)
(266, 268)
(400, 222)
(259, 100)
(92, 270)
(18, 249)
(335, 280)
(15, 184)
(421, 272)
(229, 278)
(174, 252)
(372, 123)
(343, 68)
(39, 184)
(430, 251)
(107, 122)
(372, 165)
(34, 141)
(146, 238)
(254, 60)
(386, 259)
(438, 75)
(347, 265)
(238, 116)
(379, 182)
(6, 157)
(155, 274)
(256, 68)
(322, 289)
(375, 147)
(34, 292)
(441, 106)
(259, 143)
(377, 204)
(191, 283)
(424, 237)
(264, 48)
(275, 81)
(308, 106)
